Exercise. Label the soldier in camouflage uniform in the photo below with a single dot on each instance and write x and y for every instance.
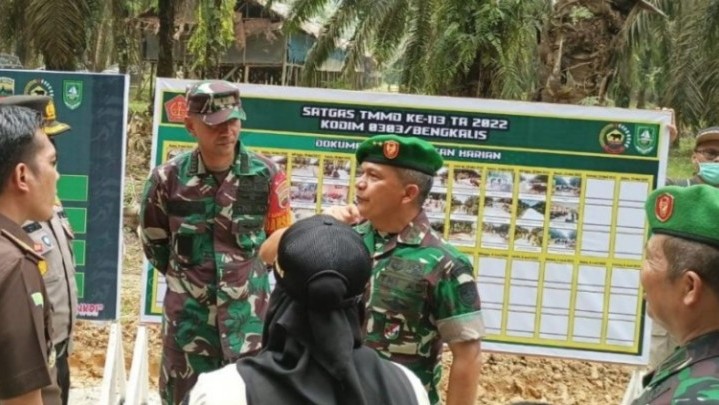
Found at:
(680, 277)
(204, 215)
(423, 291)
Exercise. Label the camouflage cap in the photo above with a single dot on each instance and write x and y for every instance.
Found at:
(707, 134)
(217, 101)
(400, 151)
(45, 106)
(685, 212)
(322, 262)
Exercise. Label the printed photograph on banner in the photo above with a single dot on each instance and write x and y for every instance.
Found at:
(280, 160)
(335, 194)
(437, 224)
(567, 186)
(303, 212)
(172, 149)
(533, 184)
(464, 206)
(441, 178)
(436, 203)
(495, 207)
(564, 214)
(499, 183)
(528, 238)
(303, 192)
(562, 241)
(336, 169)
(530, 210)
(462, 232)
(305, 166)
(495, 235)
(466, 178)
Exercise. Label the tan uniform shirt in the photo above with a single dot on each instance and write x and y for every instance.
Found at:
(52, 240)
(26, 350)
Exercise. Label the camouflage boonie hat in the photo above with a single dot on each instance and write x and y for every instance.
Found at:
(400, 151)
(45, 106)
(217, 101)
(707, 134)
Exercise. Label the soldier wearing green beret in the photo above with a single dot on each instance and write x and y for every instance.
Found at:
(680, 277)
(705, 160)
(53, 241)
(423, 291)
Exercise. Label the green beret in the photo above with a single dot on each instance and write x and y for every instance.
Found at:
(685, 212)
(400, 151)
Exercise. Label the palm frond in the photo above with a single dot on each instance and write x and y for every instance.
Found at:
(58, 29)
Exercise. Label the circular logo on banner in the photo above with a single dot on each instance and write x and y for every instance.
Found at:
(615, 138)
(39, 87)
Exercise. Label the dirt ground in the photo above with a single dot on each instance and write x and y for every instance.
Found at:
(505, 378)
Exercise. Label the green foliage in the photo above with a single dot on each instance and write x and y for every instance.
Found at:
(481, 48)
(214, 33)
(680, 163)
(673, 62)
(580, 13)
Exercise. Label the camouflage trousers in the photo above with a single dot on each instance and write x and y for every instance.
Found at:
(179, 371)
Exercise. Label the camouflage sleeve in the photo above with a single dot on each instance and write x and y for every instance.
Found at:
(279, 214)
(701, 387)
(154, 223)
(457, 305)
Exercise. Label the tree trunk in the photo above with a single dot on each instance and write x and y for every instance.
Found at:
(577, 49)
(121, 35)
(165, 62)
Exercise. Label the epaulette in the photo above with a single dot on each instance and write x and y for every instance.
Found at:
(29, 251)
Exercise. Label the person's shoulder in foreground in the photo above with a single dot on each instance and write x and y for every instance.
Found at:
(680, 276)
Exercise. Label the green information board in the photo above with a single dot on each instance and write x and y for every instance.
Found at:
(545, 200)
(91, 166)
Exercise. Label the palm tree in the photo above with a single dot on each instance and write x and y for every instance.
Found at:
(579, 48)
(673, 60)
(166, 14)
(481, 48)
(56, 29)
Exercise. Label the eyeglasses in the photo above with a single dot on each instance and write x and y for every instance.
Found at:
(709, 154)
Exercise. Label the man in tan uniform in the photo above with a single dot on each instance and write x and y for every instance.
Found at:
(27, 192)
(52, 239)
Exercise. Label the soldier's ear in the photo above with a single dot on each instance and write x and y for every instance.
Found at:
(411, 192)
(190, 125)
(19, 177)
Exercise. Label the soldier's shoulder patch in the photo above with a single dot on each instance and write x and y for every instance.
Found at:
(468, 294)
